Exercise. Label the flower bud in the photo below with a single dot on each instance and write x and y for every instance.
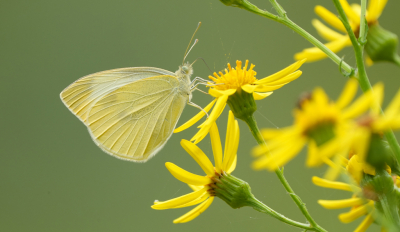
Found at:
(242, 104)
(382, 45)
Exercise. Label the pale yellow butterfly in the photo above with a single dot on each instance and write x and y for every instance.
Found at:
(131, 112)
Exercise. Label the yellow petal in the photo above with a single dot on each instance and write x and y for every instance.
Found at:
(267, 88)
(249, 88)
(340, 204)
(194, 202)
(356, 213)
(359, 106)
(232, 167)
(375, 9)
(216, 147)
(284, 72)
(394, 106)
(228, 137)
(348, 93)
(350, 12)
(330, 18)
(195, 187)
(198, 155)
(179, 200)
(260, 96)
(368, 220)
(218, 93)
(233, 146)
(205, 127)
(284, 80)
(195, 119)
(314, 54)
(331, 184)
(325, 31)
(192, 214)
(185, 176)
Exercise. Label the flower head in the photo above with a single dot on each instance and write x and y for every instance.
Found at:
(365, 193)
(203, 193)
(239, 87)
(337, 41)
(324, 125)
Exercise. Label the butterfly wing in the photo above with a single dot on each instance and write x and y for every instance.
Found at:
(134, 121)
(83, 93)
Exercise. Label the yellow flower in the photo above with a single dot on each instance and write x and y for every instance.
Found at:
(337, 41)
(203, 193)
(238, 81)
(325, 126)
(359, 204)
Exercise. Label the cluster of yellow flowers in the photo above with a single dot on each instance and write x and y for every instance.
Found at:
(340, 134)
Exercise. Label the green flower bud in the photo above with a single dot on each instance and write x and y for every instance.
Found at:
(380, 154)
(234, 191)
(242, 104)
(382, 45)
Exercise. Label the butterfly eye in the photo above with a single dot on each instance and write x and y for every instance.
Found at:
(185, 69)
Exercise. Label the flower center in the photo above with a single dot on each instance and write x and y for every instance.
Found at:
(234, 78)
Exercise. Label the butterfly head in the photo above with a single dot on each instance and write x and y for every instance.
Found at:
(185, 70)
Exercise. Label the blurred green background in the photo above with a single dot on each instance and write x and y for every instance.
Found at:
(54, 178)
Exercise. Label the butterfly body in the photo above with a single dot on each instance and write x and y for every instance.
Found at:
(130, 112)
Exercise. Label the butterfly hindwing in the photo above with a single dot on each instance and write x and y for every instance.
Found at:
(135, 120)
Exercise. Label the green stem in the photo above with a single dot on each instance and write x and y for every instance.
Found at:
(259, 206)
(287, 22)
(362, 74)
(251, 122)
(362, 33)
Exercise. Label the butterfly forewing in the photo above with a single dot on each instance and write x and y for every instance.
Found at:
(135, 120)
(83, 93)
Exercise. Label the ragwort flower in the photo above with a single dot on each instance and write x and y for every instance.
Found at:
(381, 44)
(325, 126)
(203, 193)
(239, 88)
(363, 199)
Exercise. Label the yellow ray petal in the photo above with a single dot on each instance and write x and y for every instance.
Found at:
(340, 204)
(348, 93)
(266, 88)
(359, 106)
(194, 202)
(330, 18)
(205, 127)
(228, 137)
(332, 184)
(356, 213)
(185, 176)
(249, 88)
(195, 119)
(218, 93)
(368, 220)
(284, 80)
(284, 72)
(192, 214)
(394, 106)
(325, 32)
(179, 200)
(216, 147)
(232, 167)
(260, 96)
(350, 12)
(314, 54)
(375, 9)
(198, 155)
(233, 146)
(195, 187)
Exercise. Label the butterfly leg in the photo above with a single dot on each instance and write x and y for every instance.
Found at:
(197, 106)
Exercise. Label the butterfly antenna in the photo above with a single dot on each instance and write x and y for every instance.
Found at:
(195, 42)
(200, 58)
(186, 52)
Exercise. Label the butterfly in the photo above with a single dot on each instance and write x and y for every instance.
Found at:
(131, 112)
